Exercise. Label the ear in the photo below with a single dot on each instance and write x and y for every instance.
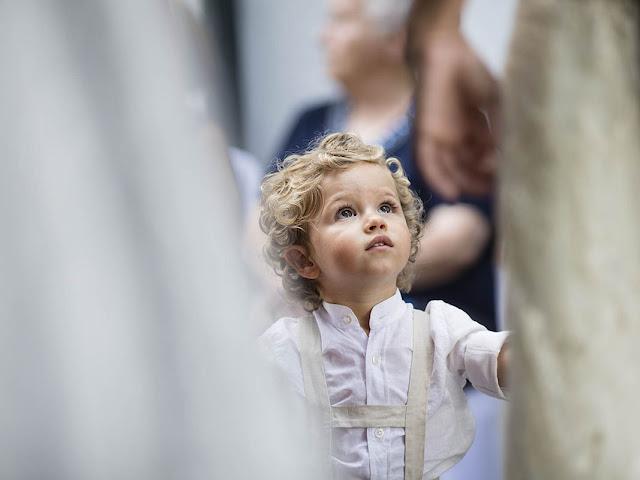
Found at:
(298, 258)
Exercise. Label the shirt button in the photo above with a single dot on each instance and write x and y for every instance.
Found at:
(346, 319)
(375, 359)
(379, 433)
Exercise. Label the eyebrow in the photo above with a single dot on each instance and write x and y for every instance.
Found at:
(331, 203)
(344, 196)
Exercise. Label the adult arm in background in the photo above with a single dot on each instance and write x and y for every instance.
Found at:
(457, 101)
(454, 237)
(504, 359)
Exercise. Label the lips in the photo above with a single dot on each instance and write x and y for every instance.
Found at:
(380, 241)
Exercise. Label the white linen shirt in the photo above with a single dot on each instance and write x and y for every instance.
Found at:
(374, 370)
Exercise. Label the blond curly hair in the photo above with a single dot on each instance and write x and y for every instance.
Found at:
(291, 198)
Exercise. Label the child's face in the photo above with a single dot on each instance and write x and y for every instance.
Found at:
(360, 237)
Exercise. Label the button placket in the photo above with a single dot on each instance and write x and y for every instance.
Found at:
(378, 439)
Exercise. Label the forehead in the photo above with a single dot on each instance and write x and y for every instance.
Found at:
(361, 177)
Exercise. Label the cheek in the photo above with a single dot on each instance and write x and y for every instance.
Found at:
(408, 250)
(342, 252)
(406, 241)
(333, 250)
(350, 41)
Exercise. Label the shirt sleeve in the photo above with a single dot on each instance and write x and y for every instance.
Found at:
(279, 345)
(473, 350)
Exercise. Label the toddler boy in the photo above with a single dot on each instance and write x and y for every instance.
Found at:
(343, 230)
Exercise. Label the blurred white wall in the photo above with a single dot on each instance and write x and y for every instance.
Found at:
(282, 67)
(487, 25)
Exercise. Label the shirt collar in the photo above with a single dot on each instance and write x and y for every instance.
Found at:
(382, 314)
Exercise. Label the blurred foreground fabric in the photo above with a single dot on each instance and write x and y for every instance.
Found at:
(124, 343)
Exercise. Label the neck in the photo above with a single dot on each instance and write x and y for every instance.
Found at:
(386, 89)
(362, 302)
(380, 100)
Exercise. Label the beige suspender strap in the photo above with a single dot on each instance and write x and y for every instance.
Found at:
(416, 420)
(368, 416)
(315, 384)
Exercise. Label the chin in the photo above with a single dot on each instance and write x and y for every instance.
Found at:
(385, 273)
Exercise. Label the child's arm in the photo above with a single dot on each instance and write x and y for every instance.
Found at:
(471, 351)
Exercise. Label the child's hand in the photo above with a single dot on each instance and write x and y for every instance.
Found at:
(503, 365)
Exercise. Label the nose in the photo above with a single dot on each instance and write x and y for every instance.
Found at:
(375, 222)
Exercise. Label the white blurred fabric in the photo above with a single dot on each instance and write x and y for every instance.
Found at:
(124, 345)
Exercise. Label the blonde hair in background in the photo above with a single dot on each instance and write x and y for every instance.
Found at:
(292, 197)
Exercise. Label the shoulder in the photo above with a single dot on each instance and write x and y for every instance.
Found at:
(440, 310)
(280, 345)
(449, 324)
(311, 121)
(282, 335)
(317, 110)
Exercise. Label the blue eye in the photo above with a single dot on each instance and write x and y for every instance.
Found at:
(345, 212)
(386, 208)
